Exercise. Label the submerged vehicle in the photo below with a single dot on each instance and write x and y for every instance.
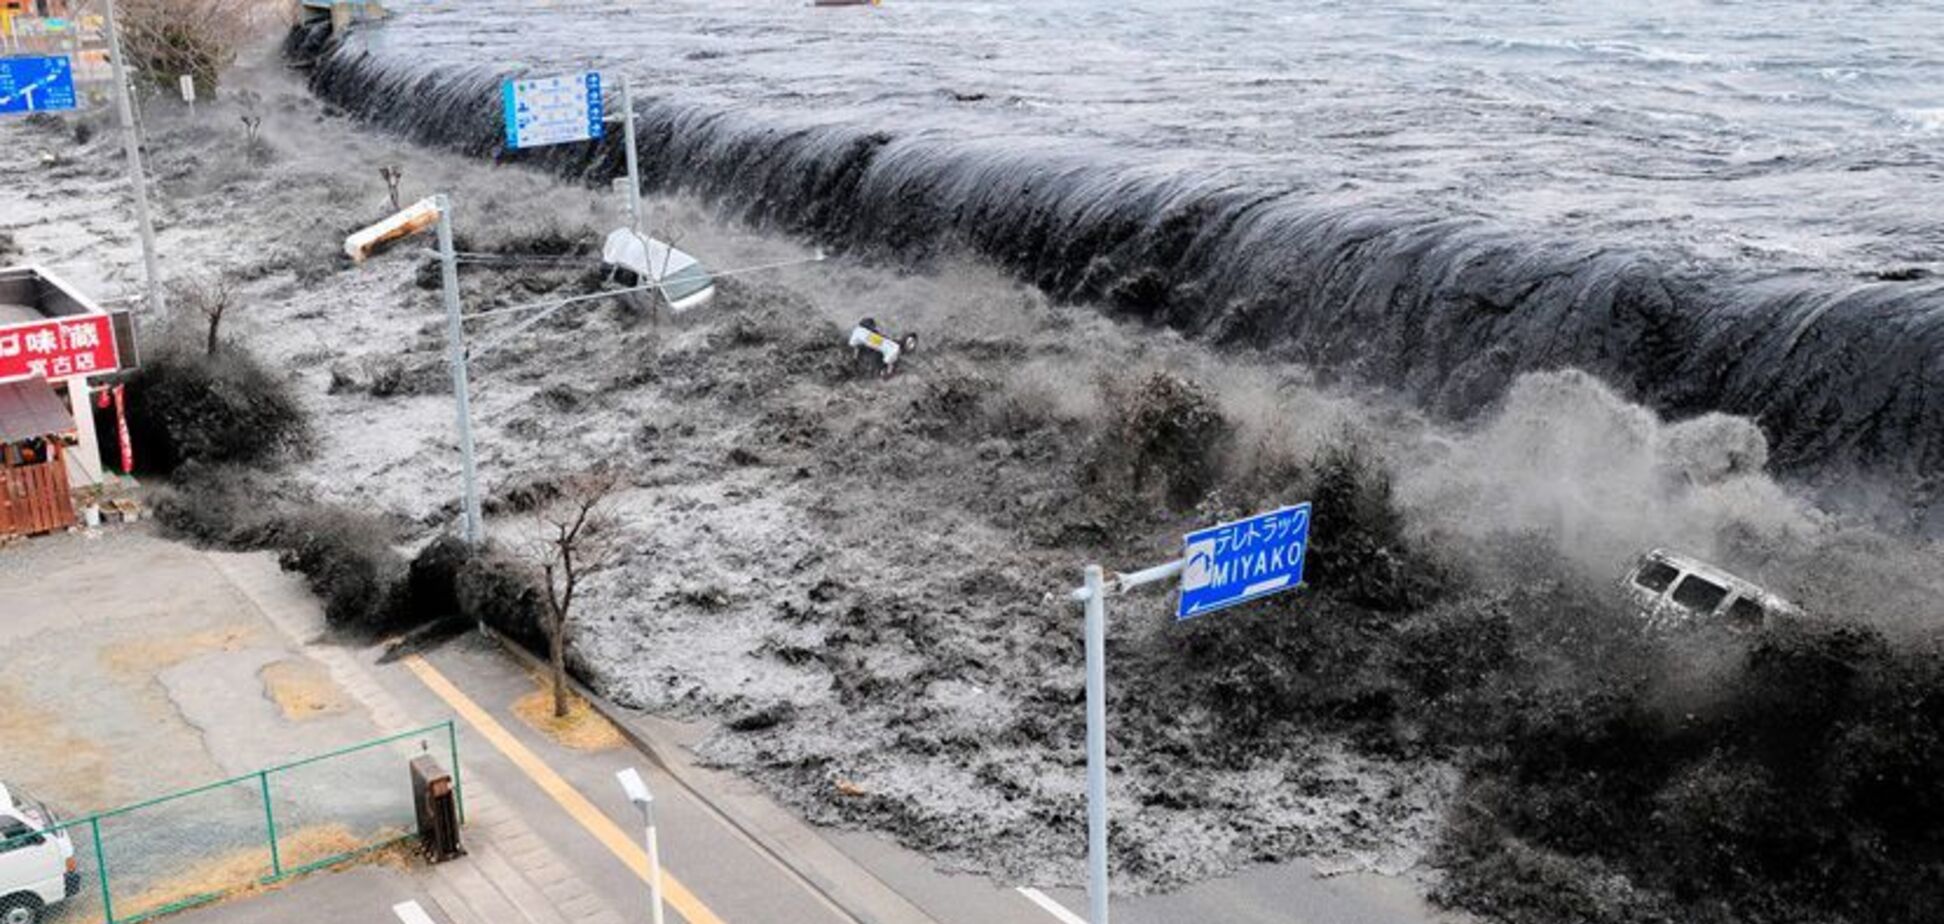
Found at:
(37, 870)
(637, 260)
(1673, 590)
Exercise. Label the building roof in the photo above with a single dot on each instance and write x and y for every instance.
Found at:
(29, 408)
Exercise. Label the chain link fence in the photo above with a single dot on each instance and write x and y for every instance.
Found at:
(188, 848)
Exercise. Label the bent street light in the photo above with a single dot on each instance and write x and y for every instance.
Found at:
(637, 790)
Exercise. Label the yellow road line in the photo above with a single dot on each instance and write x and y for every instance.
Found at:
(619, 843)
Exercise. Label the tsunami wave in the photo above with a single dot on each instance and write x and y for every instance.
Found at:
(1842, 374)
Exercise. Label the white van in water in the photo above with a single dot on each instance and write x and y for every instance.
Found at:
(37, 868)
(636, 259)
(1673, 589)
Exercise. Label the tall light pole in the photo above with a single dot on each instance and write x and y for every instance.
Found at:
(137, 177)
(638, 793)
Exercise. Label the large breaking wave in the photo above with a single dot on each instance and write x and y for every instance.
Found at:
(1842, 373)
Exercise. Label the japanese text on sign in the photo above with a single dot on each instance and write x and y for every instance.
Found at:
(1241, 561)
(553, 110)
(36, 84)
(59, 349)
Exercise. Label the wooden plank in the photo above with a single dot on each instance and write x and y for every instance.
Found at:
(35, 499)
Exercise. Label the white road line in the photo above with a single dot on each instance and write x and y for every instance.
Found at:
(411, 913)
(1050, 906)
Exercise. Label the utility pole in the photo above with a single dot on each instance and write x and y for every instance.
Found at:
(456, 355)
(137, 177)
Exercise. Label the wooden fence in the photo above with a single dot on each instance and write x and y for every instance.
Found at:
(35, 499)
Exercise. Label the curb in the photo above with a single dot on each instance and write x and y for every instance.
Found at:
(883, 906)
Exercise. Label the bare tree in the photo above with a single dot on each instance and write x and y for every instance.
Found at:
(209, 297)
(392, 175)
(576, 536)
(249, 101)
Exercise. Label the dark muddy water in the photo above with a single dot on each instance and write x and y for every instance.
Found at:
(1716, 206)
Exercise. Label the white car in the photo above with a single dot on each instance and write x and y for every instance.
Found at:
(637, 259)
(37, 868)
(1672, 589)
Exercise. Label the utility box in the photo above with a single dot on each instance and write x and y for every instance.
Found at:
(438, 810)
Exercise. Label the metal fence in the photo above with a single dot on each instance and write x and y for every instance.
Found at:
(192, 847)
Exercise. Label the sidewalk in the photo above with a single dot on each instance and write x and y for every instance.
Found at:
(363, 895)
(511, 874)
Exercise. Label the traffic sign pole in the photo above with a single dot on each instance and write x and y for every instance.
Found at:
(1222, 566)
(1096, 746)
(634, 168)
(1093, 593)
(136, 177)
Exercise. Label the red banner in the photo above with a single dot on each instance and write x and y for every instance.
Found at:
(121, 430)
(58, 349)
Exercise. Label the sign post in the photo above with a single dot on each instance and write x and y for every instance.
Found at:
(634, 169)
(1221, 566)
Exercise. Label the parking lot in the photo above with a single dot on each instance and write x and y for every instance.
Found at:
(136, 669)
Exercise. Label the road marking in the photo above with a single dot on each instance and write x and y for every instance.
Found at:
(411, 913)
(1050, 906)
(619, 843)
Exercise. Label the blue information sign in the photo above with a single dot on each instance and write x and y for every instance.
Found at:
(41, 84)
(1241, 561)
(552, 110)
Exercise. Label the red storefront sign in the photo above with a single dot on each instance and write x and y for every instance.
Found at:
(58, 349)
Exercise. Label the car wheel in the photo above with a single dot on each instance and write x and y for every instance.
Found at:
(20, 909)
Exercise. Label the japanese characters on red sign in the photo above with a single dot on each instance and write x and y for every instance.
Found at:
(58, 349)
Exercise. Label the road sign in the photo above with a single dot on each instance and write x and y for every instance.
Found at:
(552, 110)
(40, 84)
(1244, 560)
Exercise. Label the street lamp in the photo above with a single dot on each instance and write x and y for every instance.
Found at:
(638, 793)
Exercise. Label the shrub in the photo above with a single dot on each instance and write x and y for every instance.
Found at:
(449, 578)
(190, 407)
(347, 560)
(1799, 785)
(225, 506)
(165, 39)
(1164, 433)
(498, 590)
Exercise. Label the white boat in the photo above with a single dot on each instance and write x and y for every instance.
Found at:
(638, 259)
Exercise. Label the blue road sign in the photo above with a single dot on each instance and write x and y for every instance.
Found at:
(42, 84)
(552, 110)
(1244, 560)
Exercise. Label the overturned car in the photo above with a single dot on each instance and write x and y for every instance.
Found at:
(1674, 590)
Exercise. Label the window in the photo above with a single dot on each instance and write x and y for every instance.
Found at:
(15, 834)
(1699, 594)
(686, 281)
(1655, 575)
(1745, 614)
